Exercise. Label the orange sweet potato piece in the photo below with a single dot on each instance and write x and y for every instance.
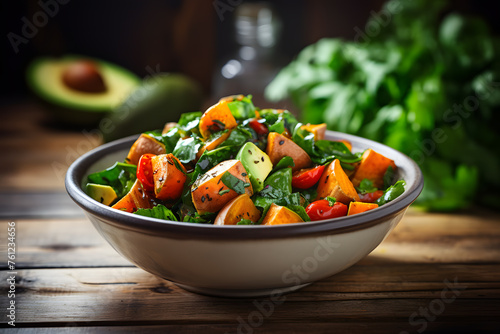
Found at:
(278, 215)
(213, 144)
(279, 146)
(335, 183)
(358, 207)
(144, 144)
(238, 208)
(372, 167)
(216, 118)
(168, 179)
(318, 130)
(135, 199)
(210, 194)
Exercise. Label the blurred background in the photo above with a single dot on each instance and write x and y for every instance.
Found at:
(230, 47)
(195, 37)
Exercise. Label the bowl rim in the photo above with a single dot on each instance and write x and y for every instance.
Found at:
(182, 230)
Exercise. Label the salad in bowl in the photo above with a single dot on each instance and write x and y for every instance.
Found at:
(236, 164)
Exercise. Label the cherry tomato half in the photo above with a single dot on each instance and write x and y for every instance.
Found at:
(259, 128)
(306, 178)
(321, 209)
(370, 197)
(145, 172)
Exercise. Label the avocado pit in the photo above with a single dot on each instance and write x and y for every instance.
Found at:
(84, 76)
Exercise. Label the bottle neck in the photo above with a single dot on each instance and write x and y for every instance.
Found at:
(256, 29)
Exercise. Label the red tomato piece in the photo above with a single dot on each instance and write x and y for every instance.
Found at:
(371, 197)
(319, 210)
(259, 128)
(145, 172)
(306, 178)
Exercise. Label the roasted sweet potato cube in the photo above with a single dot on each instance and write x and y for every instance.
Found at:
(144, 144)
(335, 183)
(136, 198)
(358, 207)
(372, 167)
(241, 207)
(279, 146)
(278, 215)
(318, 130)
(216, 118)
(169, 176)
(210, 194)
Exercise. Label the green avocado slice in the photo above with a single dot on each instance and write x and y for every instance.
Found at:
(45, 78)
(257, 164)
(101, 193)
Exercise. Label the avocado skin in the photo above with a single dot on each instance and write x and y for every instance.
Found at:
(159, 99)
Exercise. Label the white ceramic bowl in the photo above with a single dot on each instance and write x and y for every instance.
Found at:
(242, 261)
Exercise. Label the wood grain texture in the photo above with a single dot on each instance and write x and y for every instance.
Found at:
(129, 295)
(60, 243)
(37, 152)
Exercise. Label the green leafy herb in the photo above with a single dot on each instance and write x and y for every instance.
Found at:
(159, 211)
(292, 199)
(244, 221)
(210, 159)
(323, 151)
(392, 192)
(278, 127)
(120, 177)
(168, 139)
(243, 109)
(278, 184)
(284, 162)
(309, 194)
(188, 117)
(238, 137)
(195, 217)
(232, 182)
(277, 121)
(388, 177)
(366, 186)
(186, 149)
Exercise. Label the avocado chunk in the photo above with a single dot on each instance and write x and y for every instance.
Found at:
(257, 163)
(79, 90)
(101, 193)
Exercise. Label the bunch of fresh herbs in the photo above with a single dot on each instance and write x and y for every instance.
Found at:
(428, 84)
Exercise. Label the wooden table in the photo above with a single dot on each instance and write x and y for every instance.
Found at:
(434, 273)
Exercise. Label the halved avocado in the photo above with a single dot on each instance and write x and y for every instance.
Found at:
(75, 104)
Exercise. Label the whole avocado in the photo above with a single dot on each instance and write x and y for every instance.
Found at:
(160, 98)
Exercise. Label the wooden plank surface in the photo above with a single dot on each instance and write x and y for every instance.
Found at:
(37, 152)
(118, 296)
